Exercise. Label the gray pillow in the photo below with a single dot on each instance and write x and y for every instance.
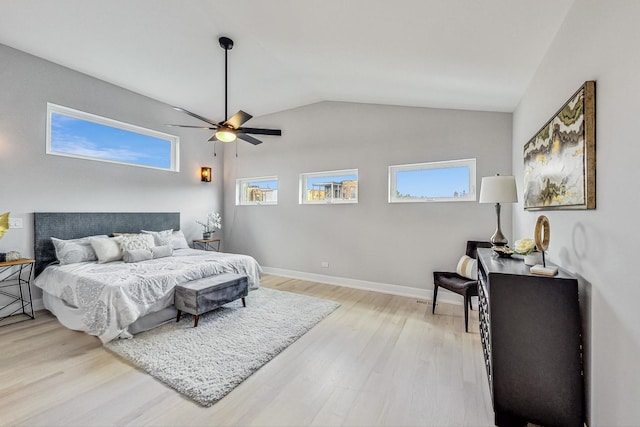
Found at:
(162, 251)
(75, 250)
(137, 255)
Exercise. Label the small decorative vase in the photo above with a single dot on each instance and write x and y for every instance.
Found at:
(533, 258)
(207, 235)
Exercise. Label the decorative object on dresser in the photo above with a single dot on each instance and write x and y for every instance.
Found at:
(560, 160)
(531, 338)
(542, 235)
(231, 343)
(498, 189)
(463, 281)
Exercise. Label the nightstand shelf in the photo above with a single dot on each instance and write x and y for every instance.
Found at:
(207, 244)
(15, 291)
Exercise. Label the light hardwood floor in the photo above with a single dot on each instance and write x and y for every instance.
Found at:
(377, 360)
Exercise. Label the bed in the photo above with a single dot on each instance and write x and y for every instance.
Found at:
(117, 299)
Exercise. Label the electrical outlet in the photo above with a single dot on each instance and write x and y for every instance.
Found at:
(324, 264)
(15, 223)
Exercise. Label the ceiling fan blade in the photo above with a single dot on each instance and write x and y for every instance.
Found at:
(193, 127)
(259, 131)
(238, 119)
(197, 116)
(249, 139)
(213, 138)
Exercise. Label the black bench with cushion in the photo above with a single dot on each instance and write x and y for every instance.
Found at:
(203, 295)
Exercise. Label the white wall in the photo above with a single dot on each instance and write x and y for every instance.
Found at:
(372, 241)
(32, 181)
(598, 41)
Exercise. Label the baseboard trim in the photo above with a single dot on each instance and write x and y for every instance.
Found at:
(385, 288)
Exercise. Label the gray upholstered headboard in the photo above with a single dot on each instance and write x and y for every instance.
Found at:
(72, 225)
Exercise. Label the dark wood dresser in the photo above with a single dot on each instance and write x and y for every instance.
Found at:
(531, 338)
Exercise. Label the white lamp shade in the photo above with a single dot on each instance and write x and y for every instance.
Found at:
(498, 189)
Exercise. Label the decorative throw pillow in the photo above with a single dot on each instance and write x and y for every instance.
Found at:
(162, 251)
(137, 255)
(75, 250)
(107, 250)
(138, 241)
(178, 241)
(160, 237)
(467, 267)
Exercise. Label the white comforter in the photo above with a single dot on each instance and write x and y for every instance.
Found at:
(114, 295)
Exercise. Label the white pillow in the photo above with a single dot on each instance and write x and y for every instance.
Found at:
(178, 241)
(75, 250)
(107, 250)
(467, 267)
(138, 241)
(161, 238)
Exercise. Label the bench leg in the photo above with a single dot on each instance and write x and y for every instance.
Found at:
(178, 318)
(244, 303)
(195, 321)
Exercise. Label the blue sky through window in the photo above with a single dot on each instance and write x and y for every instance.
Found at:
(433, 183)
(84, 138)
(273, 185)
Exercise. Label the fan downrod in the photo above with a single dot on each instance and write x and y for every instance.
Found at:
(226, 43)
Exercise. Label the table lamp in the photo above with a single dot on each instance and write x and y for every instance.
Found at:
(498, 189)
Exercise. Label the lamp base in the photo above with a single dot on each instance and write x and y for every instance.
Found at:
(498, 238)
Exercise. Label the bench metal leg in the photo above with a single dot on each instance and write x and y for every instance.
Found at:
(178, 318)
(244, 304)
(195, 320)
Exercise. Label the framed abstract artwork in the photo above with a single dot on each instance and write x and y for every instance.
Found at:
(560, 160)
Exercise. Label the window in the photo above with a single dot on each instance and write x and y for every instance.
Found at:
(74, 133)
(329, 187)
(449, 181)
(257, 191)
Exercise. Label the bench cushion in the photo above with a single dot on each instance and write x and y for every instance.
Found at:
(206, 294)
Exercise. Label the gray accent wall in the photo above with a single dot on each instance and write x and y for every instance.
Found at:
(597, 41)
(372, 241)
(32, 181)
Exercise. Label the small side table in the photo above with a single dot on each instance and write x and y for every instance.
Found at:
(15, 283)
(207, 244)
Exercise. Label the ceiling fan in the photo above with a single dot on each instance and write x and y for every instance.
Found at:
(231, 128)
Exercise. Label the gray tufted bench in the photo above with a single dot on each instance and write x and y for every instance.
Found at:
(200, 296)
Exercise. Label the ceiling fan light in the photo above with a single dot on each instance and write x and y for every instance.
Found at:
(226, 135)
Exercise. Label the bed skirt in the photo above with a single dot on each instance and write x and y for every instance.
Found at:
(71, 317)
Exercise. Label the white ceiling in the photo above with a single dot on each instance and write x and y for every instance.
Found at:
(462, 54)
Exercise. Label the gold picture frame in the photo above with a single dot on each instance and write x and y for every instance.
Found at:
(560, 160)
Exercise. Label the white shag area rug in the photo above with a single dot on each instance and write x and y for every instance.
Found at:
(229, 344)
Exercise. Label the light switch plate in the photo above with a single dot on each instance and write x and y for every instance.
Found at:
(15, 223)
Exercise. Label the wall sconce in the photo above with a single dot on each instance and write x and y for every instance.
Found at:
(205, 174)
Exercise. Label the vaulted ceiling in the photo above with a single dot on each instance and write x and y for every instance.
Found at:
(462, 54)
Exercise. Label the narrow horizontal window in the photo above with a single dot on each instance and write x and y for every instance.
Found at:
(257, 191)
(74, 133)
(448, 181)
(329, 187)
